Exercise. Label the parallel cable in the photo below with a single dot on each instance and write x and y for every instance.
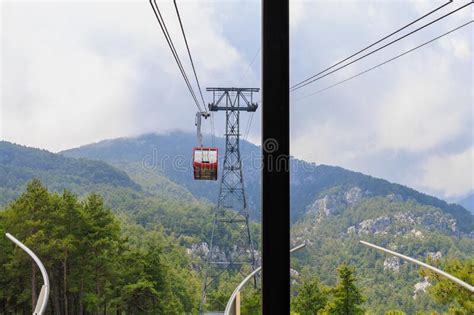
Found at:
(195, 74)
(385, 62)
(175, 54)
(164, 29)
(213, 135)
(249, 124)
(189, 54)
(249, 67)
(250, 119)
(373, 44)
(382, 47)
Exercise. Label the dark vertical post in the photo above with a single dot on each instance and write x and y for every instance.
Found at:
(276, 147)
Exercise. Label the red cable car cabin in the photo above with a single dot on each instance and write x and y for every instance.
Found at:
(205, 163)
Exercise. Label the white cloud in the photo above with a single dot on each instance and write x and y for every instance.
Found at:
(451, 175)
(80, 71)
(458, 46)
(331, 142)
(427, 106)
(297, 13)
(388, 122)
(77, 72)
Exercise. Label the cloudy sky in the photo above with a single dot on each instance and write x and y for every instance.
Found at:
(76, 72)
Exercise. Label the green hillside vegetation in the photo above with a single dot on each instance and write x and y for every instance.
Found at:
(153, 206)
(331, 242)
(157, 156)
(148, 199)
(96, 263)
(99, 262)
(19, 164)
(310, 296)
(444, 291)
(468, 202)
(170, 155)
(344, 299)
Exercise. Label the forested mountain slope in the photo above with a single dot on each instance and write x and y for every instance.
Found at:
(96, 262)
(468, 202)
(20, 164)
(334, 224)
(170, 155)
(144, 197)
(148, 180)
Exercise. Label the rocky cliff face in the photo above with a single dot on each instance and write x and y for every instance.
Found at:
(421, 286)
(333, 203)
(337, 219)
(401, 222)
(406, 222)
(200, 252)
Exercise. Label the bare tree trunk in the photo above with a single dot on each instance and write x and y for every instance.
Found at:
(33, 286)
(56, 302)
(60, 293)
(66, 308)
(97, 288)
(81, 293)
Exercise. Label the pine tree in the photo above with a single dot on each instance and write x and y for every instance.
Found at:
(395, 312)
(95, 264)
(446, 292)
(310, 299)
(347, 297)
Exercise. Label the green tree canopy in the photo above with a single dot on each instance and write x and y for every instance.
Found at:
(311, 298)
(446, 292)
(93, 267)
(347, 297)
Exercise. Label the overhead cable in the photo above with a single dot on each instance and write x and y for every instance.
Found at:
(382, 47)
(385, 62)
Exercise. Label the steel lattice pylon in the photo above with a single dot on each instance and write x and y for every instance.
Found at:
(231, 217)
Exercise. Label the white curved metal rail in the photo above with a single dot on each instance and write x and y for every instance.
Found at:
(231, 303)
(438, 271)
(44, 293)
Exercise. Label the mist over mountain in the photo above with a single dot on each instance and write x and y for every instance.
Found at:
(161, 164)
(20, 164)
(170, 155)
(467, 202)
(148, 180)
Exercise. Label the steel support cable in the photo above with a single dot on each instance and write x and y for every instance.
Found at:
(213, 136)
(249, 67)
(250, 119)
(247, 129)
(248, 126)
(164, 29)
(175, 54)
(195, 74)
(189, 54)
(382, 47)
(373, 44)
(385, 62)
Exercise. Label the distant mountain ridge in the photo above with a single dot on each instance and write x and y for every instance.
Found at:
(467, 202)
(148, 180)
(170, 155)
(19, 164)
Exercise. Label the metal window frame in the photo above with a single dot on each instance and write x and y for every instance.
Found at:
(276, 153)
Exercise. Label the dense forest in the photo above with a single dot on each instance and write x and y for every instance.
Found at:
(415, 230)
(96, 262)
(119, 236)
(99, 263)
(310, 296)
(169, 155)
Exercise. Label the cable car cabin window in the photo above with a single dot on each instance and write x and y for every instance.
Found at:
(205, 163)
